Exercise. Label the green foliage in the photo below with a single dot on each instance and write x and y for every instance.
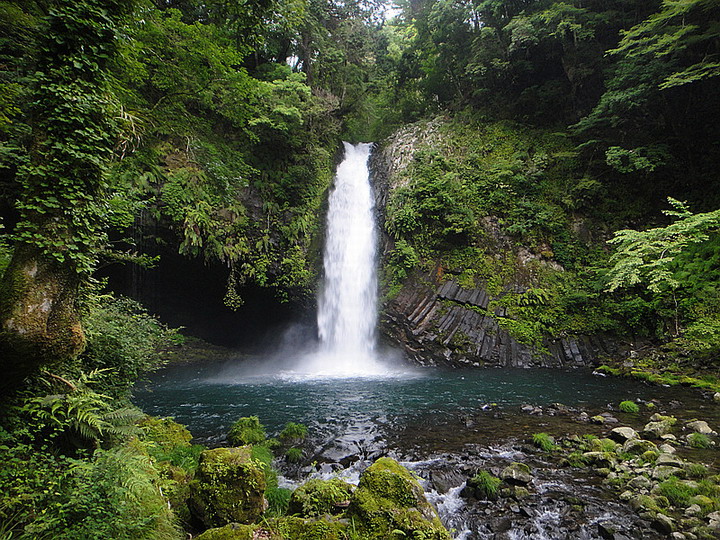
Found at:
(293, 433)
(247, 430)
(317, 497)
(544, 441)
(294, 455)
(113, 494)
(629, 407)
(82, 417)
(645, 257)
(677, 492)
(486, 484)
(699, 440)
(123, 340)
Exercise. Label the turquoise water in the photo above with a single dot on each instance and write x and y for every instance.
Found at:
(208, 399)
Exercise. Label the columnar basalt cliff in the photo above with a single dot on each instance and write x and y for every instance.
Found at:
(439, 322)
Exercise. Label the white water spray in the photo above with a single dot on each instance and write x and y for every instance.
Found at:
(347, 306)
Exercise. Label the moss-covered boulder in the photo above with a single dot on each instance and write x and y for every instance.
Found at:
(659, 425)
(389, 503)
(517, 474)
(229, 487)
(317, 497)
(284, 528)
(232, 531)
(295, 528)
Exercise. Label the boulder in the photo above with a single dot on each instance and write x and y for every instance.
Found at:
(229, 487)
(603, 460)
(640, 482)
(517, 474)
(232, 531)
(318, 497)
(389, 499)
(623, 434)
(700, 426)
(659, 425)
(638, 446)
(663, 524)
(670, 460)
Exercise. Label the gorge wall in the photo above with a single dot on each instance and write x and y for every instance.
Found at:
(438, 321)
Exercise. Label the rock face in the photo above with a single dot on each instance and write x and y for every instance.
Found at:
(439, 322)
(444, 323)
(229, 487)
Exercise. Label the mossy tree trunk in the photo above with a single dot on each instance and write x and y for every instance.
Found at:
(61, 188)
(39, 321)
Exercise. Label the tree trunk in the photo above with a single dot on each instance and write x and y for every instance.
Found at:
(39, 320)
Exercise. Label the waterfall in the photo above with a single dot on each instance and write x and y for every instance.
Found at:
(347, 304)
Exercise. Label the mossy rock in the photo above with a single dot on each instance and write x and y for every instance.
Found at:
(165, 432)
(295, 528)
(317, 497)
(232, 531)
(229, 487)
(639, 446)
(389, 503)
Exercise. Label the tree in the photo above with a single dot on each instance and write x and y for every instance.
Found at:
(73, 136)
(648, 258)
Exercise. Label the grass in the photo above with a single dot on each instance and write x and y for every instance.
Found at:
(544, 441)
(486, 484)
(699, 440)
(629, 407)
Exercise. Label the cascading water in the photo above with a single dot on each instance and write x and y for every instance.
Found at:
(347, 307)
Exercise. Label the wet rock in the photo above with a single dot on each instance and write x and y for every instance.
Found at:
(443, 480)
(640, 482)
(517, 474)
(607, 530)
(668, 437)
(600, 459)
(693, 510)
(229, 487)
(663, 472)
(700, 426)
(659, 425)
(623, 434)
(670, 460)
(716, 396)
(663, 524)
(638, 446)
(667, 449)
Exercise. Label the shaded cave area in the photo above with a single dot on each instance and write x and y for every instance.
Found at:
(189, 292)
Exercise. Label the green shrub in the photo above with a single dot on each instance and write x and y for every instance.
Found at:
(543, 441)
(293, 433)
(629, 407)
(113, 494)
(278, 500)
(677, 493)
(696, 470)
(699, 440)
(247, 430)
(486, 485)
(294, 455)
(123, 338)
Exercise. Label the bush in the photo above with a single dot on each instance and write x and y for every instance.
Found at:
(486, 485)
(294, 455)
(123, 338)
(247, 430)
(696, 470)
(677, 493)
(544, 441)
(699, 440)
(293, 433)
(629, 407)
(112, 495)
